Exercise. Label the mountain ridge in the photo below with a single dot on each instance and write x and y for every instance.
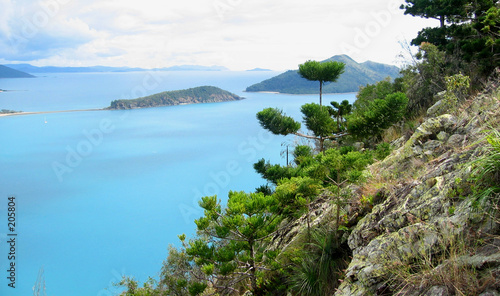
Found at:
(53, 69)
(8, 72)
(355, 75)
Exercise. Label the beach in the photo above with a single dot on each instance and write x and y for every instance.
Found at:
(46, 112)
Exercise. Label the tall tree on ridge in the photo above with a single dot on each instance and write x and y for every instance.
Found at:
(322, 72)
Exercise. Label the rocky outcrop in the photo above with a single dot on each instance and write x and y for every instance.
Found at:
(426, 212)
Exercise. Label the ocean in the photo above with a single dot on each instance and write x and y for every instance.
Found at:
(101, 194)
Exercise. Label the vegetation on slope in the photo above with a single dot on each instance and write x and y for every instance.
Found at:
(196, 95)
(405, 202)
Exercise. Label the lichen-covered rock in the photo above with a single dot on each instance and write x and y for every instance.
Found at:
(439, 107)
(426, 210)
(437, 291)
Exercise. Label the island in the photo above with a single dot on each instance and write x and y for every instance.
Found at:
(355, 75)
(196, 95)
(6, 72)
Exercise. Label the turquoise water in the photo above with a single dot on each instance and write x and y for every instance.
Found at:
(101, 194)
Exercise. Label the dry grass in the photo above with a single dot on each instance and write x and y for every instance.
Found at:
(445, 267)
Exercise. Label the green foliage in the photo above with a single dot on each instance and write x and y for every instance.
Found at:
(148, 289)
(425, 79)
(457, 87)
(340, 167)
(233, 243)
(328, 71)
(371, 92)
(295, 194)
(317, 268)
(442, 10)
(379, 114)
(179, 275)
(275, 121)
(382, 150)
(344, 163)
(339, 112)
(486, 172)
(468, 31)
(318, 119)
(274, 173)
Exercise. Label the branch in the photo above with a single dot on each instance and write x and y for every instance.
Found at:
(336, 136)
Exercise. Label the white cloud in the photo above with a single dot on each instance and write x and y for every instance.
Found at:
(239, 34)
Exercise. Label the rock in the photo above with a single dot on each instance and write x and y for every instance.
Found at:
(359, 146)
(426, 131)
(439, 107)
(443, 136)
(456, 140)
(437, 291)
(432, 145)
(426, 210)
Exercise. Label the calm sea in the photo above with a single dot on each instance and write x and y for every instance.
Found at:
(101, 194)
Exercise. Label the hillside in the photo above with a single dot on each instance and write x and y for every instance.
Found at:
(6, 72)
(355, 75)
(197, 95)
(428, 232)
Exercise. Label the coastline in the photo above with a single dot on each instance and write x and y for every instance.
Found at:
(45, 112)
(280, 93)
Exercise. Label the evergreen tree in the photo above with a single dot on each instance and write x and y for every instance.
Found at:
(328, 71)
(231, 247)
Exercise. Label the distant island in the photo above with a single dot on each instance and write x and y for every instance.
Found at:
(258, 69)
(355, 75)
(6, 111)
(196, 95)
(7, 72)
(102, 69)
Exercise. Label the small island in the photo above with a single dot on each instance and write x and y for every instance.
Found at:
(196, 95)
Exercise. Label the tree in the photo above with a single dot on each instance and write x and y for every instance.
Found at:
(442, 10)
(380, 114)
(328, 71)
(468, 31)
(295, 195)
(231, 247)
(340, 111)
(179, 275)
(316, 117)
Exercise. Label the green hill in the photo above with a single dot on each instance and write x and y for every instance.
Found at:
(355, 75)
(196, 95)
(6, 72)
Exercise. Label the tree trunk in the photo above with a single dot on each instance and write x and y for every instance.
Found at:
(308, 222)
(253, 278)
(320, 92)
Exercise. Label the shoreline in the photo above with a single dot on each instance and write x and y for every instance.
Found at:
(46, 112)
(280, 93)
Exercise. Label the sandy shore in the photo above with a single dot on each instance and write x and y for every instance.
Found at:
(46, 112)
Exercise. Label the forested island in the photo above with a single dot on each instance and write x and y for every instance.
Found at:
(196, 95)
(355, 75)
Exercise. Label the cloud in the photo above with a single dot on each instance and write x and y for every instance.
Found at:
(31, 32)
(239, 34)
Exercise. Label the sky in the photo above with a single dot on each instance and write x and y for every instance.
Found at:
(237, 34)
